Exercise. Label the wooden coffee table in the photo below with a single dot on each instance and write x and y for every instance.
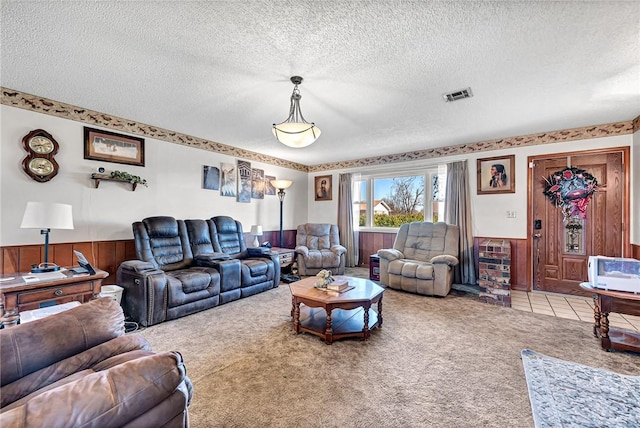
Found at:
(332, 315)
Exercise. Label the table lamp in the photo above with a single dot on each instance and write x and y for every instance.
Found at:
(46, 216)
(256, 230)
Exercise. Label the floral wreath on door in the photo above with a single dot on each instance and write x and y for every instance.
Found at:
(571, 189)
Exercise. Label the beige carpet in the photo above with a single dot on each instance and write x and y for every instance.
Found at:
(436, 362)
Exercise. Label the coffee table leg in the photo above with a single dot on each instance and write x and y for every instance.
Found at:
(596, 316)
(365, 330)
(328, 334)
(296, 316)
(605, 341)
(380, 312)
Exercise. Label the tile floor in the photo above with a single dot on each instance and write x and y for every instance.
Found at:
(571, 307)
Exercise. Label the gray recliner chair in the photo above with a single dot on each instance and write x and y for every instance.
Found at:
(422, 258)
(318, 247)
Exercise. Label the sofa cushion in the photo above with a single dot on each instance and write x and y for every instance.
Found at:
(193, 280)
(106, 398)
(411, 269)
(322, 259)
(17, 343)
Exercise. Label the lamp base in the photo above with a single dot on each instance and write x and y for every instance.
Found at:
(256, 243)
(44, 267)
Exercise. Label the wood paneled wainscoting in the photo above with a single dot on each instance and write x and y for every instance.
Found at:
(105, 255)
(371, 242)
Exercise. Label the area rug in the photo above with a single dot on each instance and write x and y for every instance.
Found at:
(566, 394)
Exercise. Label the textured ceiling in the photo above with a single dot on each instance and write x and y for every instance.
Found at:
(374, 71)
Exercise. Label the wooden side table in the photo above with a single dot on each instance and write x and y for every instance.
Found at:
(374, 267)
(606, 301)
(287, 257)
(18, 295)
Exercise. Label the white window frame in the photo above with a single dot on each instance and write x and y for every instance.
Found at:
(427, 172)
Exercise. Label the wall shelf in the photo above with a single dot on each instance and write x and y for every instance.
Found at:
(106, 177)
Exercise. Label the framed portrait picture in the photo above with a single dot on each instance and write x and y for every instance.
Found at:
(497, 175)
(323, 187)
(108, 146)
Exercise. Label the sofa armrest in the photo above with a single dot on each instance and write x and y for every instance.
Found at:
(259, 251)
(57, 337)
(445, 259)
(338, 249)
(210, 260)
(144, 294)
(137, 265)
(111, 397)
(302, 250)
(390, 254)
(88, 359)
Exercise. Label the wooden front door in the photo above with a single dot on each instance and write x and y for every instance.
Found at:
(560, 249)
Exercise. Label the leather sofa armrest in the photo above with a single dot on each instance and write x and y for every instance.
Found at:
(89, 359)
(110, 397)
(143, 297)
(137, 265)
(259, 251)
(303, 250)
(57, 337)
(390, 254)
(445, 259)
(210, 260)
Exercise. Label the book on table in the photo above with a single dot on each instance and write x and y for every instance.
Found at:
(338, 285)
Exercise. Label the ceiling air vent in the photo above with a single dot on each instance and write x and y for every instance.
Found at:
(458, 95)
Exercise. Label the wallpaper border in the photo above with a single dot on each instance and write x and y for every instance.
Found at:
(15, 98)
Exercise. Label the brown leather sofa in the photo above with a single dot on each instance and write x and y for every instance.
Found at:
(186, 266)
(78, 368)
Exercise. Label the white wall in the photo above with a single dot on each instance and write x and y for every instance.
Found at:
(174, 174)
(489, 211)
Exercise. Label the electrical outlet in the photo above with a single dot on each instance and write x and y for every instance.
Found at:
(511, 214)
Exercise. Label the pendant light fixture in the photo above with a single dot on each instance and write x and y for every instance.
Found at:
(295, 131)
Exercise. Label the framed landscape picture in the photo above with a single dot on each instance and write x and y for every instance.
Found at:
(496, 175)
(108, 146)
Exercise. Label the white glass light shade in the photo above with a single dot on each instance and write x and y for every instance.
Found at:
(281, 184)
(295, 134)
(44, 215)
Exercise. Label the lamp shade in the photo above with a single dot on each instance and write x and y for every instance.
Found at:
(256, 230)
(296, 134)
(45, 215)
(281, 184)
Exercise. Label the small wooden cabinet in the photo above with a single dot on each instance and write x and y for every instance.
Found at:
(286, 255)
(17, 295)
(374, 267)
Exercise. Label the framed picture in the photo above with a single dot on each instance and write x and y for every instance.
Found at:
(210, 177)
(268, 187)
(228, 179)
(323, 187)
(497, 175)
(111, 147)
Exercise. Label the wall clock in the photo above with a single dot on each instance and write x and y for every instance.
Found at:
(41, 147)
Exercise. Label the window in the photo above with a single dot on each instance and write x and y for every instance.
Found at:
(388, 201)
